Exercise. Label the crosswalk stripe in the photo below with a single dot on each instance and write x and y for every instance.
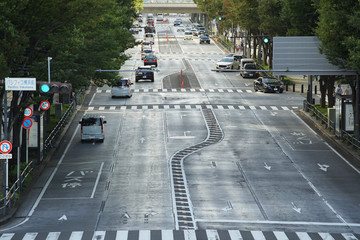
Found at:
(101, 108)
(258, 235)
(220, 107)
(99, 235)
(212, 234)
(144, 235)
(326, 236)
(7, 236)
(30, 236)
(263, 108)
(285, 108)
(121, 235)
(235, 235)
(349, 236)
(303, 235)
(274, 108)
(189, 235)
(242, 107)
(252, 107)
(231, 107)
(112, 107)
(280, 235)
(167, 234)
(76, 235)
(53, 236)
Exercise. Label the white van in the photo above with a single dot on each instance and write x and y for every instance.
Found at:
(92, 128)
(243, 62)
(149, 37)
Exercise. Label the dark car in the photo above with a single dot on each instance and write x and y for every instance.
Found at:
(144, 72)
(250, 74)
(150, 29)
(150, 60)
(177, 22)
(266, 84)
(204, 39)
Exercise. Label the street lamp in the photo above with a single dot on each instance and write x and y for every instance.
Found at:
(49, 58)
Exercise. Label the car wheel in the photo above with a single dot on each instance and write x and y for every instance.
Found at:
(152, 79)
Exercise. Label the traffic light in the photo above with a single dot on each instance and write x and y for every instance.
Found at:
(54, 87)
(266, 40)
(221, 18)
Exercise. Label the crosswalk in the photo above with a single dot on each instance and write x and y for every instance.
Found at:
(190, 106)
(164, 90)
(179, 235)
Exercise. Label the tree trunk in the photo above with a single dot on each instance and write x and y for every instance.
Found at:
(322, 92)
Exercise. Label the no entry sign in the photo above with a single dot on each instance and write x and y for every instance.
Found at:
(27, 123)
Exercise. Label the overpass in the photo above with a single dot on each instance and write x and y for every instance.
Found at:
(170, 7)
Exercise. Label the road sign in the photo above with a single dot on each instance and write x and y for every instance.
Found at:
(5, 147)
(27, 123)
(6, 156)
(20, 84)
(28, 112)
(44, 105)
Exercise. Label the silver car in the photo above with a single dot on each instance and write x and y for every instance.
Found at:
(122, 88)
(92, 128)
(227, 63)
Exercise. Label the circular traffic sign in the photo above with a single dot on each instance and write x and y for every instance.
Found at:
(28, 112)
(27, 123)
(5, 147)
(44, 105)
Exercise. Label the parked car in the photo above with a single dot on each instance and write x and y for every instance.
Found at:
(268, 85)
(204, 39)
(227, 63)
(149, 29)
(188, 35)
(250, 74)
(150, 60)
(122, 88)
(144, 72)
(177, 22)
(92, 128)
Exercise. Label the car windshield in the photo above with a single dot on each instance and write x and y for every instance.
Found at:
(91, 121)
(270, 80)
(204, 37)
(150, 57)
(122, 82)
(147, 51)
(188, 33)
(226, 60)
(250, 66)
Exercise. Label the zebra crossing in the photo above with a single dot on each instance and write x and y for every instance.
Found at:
(189, 106)
(184, 90)
(179, 235)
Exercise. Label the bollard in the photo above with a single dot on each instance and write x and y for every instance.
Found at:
(315, 89)
(287, 87)
(294, 87)
(302, 88)
(313, 101)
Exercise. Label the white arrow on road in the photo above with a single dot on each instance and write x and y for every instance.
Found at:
(63, 218)
(267, 166)
(295, 208)
(323, 167)
(142, 140)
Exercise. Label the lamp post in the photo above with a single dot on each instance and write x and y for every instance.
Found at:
(49, 58)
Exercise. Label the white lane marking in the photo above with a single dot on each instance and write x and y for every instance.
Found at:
(30, 236)
(242, 107)
(167, 234)
(326, 236)
(274, 108)
(101, 108)
(7, 236)
(212, 234)
(112, 107)
(189, 235)
(263, 108)
(97, 180)
(252, 107)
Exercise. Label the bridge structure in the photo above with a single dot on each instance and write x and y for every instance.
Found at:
(170, 6)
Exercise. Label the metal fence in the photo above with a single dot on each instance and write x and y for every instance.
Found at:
(344, 136)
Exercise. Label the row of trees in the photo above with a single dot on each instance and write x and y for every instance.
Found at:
(335, 23)
(80, 36)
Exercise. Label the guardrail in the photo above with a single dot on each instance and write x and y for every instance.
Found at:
(344, 136)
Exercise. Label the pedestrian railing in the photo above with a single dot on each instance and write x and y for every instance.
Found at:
(12, 193)
(344, 136)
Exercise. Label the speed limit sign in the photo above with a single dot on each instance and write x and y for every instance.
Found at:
(28, 112)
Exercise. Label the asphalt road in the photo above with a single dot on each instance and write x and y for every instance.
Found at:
(215, 157)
